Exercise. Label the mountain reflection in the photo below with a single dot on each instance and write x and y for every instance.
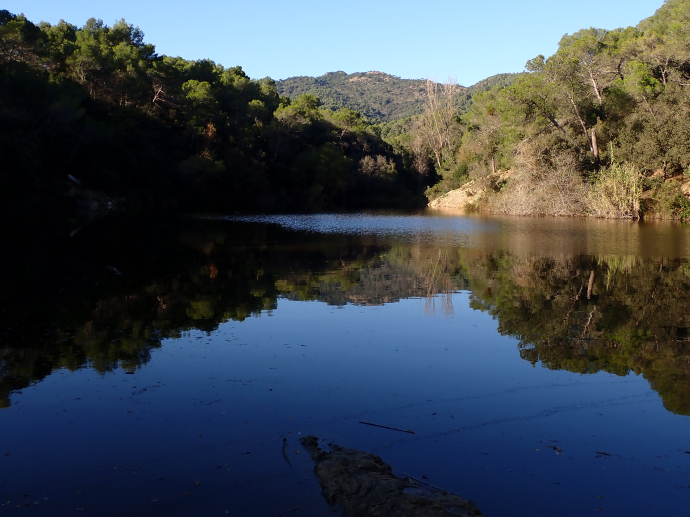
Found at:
(119, 289)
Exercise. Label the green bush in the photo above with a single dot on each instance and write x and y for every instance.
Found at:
(672, 203)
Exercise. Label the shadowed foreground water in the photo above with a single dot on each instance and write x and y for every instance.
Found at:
(155, 367)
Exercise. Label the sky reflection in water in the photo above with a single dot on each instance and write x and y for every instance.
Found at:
(518, 350)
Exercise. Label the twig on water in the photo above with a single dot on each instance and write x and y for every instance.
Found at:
(285, 451)
(387, 427)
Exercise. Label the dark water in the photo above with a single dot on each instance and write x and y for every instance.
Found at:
(154, 368)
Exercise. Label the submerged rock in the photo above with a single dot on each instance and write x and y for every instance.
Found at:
(361, 484)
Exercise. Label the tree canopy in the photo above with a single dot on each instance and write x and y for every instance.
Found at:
(606, 98)
(93, 114)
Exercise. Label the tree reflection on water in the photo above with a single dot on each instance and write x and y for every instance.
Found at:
(115, 292)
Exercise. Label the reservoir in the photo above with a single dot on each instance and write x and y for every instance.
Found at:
(159, 367)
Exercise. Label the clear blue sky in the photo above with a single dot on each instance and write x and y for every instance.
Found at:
(467, 40)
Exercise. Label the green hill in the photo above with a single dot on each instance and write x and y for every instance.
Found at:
(498, 80)
(376, 95)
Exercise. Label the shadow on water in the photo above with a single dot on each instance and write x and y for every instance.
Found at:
(104, 297)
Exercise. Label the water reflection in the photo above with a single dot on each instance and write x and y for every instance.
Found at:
(580, 296)
(518, 235)
(584, 314)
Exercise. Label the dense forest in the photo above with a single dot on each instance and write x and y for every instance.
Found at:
(601, 128)
(378, 96)
(92, 115)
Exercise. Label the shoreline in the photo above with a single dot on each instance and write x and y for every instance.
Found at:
(504, 193)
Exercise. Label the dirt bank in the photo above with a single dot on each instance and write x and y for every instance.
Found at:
(471, 194)
(565, 193)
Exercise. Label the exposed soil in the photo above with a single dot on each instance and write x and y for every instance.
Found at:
(471, 193)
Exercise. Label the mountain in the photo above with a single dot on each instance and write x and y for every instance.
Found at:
(376, 95)
(498, 80)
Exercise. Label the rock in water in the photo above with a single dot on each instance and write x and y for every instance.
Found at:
(362, 485)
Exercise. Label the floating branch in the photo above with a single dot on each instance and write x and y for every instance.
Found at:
(391, 428)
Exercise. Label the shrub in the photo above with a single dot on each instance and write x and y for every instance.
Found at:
(538, 189)
(672, 203)
(615, 192)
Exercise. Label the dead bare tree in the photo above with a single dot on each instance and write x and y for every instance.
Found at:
(436, 126)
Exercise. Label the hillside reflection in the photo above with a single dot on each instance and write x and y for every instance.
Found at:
(115, 291)
(584, 314)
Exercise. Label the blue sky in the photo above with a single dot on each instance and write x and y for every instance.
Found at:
(437, 39)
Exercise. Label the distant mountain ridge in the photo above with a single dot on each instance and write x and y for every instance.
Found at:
(379, 96)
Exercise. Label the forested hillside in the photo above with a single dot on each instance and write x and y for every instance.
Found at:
(378, 96)
(92, 115)
(601, 128)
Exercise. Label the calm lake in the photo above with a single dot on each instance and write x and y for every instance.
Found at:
(154, 368)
